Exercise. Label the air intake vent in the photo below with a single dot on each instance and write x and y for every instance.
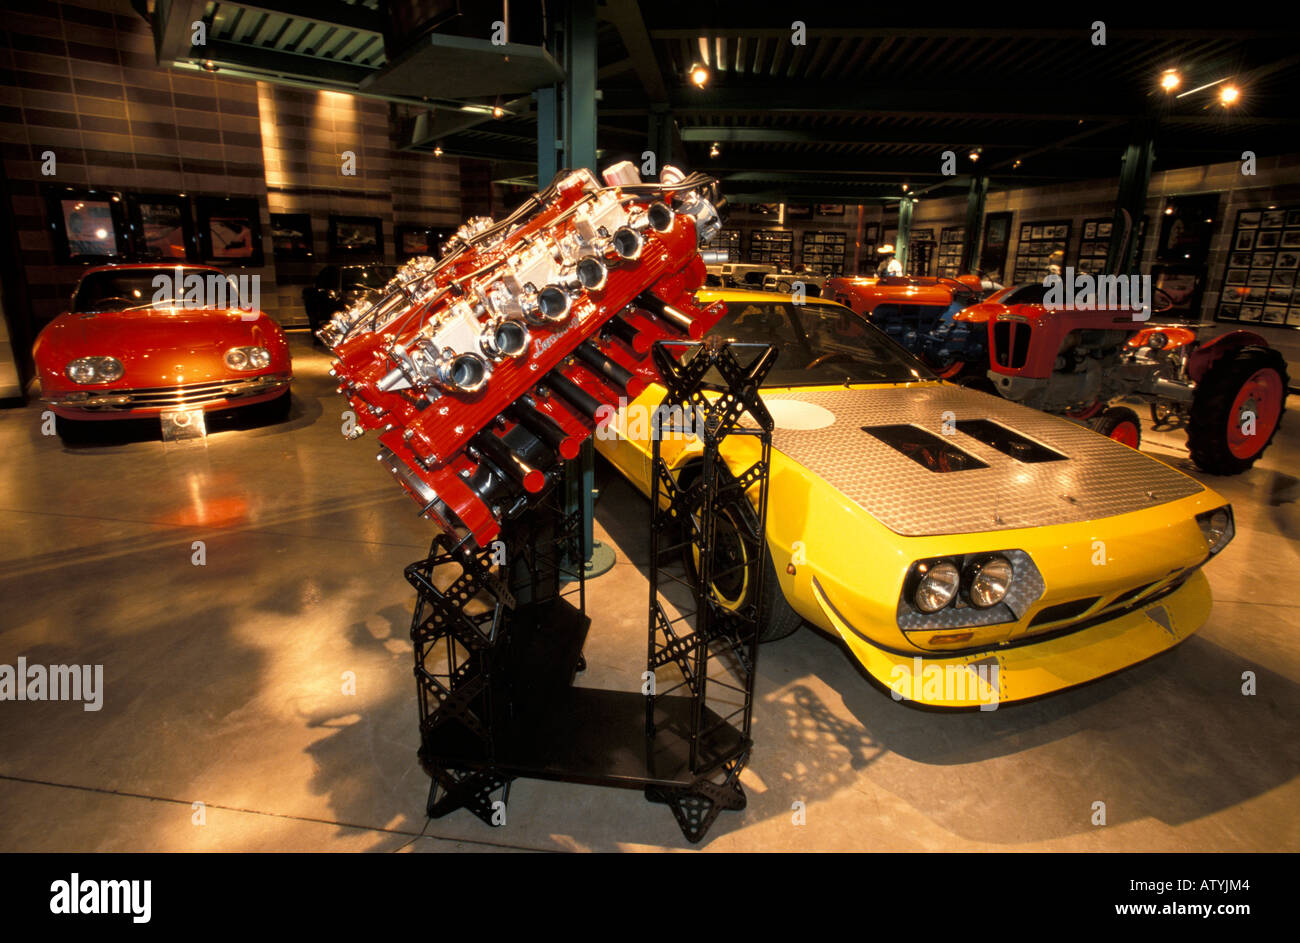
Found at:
(925, 448)
(1007, 441)
(1011, 343)
(1064, 610)
(1133, 593)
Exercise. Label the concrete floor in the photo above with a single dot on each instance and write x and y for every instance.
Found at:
(224, 683)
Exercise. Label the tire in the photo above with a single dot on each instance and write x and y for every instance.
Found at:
(776, 618)
(1215, 433)
(1121, 424)
(1162, 414)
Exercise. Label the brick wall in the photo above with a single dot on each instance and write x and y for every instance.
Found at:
(79, 78)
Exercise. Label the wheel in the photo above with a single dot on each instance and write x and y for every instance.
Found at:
(735, 586)
(1237, 409)
(1121, 424)
(1163, 414)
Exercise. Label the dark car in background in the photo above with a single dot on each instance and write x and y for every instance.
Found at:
(339, 286)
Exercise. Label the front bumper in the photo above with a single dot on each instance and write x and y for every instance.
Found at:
(127, 404)
(1030, 669)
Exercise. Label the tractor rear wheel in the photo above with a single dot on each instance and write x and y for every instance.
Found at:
(1121, 424)
(1237, 409)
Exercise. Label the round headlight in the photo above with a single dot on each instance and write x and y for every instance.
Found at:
(990, 583)
(258, 358)
(81, 371)
(937, 588)
(1157, 340)
(1216, 528)
(108, 369)
(236, 358)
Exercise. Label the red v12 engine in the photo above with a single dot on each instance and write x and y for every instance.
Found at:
(484, 370)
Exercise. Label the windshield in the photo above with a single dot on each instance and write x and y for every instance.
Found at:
(367, 276)
(127, 289)
(819, 345)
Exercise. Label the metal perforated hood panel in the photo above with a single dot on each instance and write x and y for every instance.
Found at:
(1098, 478)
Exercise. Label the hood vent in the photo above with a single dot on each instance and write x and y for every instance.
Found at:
(925, 448)
(1007, 441)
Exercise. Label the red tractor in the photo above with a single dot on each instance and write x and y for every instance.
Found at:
(1232, 389)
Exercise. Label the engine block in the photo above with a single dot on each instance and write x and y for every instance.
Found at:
(484, 370)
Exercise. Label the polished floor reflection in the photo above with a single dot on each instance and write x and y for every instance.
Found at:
(264, 701)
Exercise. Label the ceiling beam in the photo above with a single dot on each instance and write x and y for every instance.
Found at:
(625, 16)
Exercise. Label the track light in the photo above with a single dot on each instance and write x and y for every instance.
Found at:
(974, 155)
(1170, 80)
(904, 188)
(713, 151)
(699, 75)
(1228, 95)
(437, 151)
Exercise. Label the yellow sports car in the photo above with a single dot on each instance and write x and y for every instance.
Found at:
(969, 551)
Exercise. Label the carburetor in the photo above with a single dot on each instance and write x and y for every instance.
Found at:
(483, 370)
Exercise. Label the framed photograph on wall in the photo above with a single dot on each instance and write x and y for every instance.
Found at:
(86, 225)
(356, 235)
(830, 209)
(993, 250)
(291, 235)
(161, 227)
(230, 230)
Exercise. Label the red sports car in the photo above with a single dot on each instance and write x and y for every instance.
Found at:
(151, 340)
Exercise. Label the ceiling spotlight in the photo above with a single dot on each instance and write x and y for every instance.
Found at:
(699, 75)
(437, 150)
(975, 154)
(209, 66)
(1169, 211)
(904, 188)
(1016, 164)
(1228, 95)
(713, 151)
(1170, 80)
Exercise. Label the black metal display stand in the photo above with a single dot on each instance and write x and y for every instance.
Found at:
(498, 631)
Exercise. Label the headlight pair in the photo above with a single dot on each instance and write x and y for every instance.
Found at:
(987, 582)
(248, 358)
(94, 370)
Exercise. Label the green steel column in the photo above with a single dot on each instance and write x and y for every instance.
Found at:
(975, 199)
(580, 84)
(579, 120)
(1134, 177)
(547, 135)
(904, 230)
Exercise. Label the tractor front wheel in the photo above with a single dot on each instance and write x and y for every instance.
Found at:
(1237, 409)
(1121, 424)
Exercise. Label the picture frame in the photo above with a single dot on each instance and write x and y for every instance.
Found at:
(87, 225)
(1248, 219)
(830, 209)
(162, 227)
(291, 235)
(230, 231)
(1272, 219)
(356, 236)
(1268, 239)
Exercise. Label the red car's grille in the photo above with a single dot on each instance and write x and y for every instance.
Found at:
(190, 396)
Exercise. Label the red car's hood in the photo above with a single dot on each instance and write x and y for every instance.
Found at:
(158, 347)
